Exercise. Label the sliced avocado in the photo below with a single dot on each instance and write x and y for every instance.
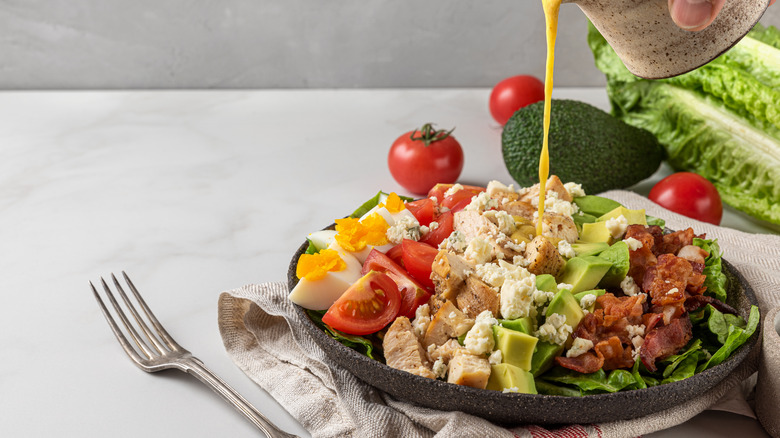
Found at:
(565, 304)
(617, 254)
(584, 272)
(632, 216)
(596, 232)
(546, 282)
(516, 348)
(507, 376)
(590, 248)
(596, 205)
(596, 292)
(583, 218)
(544, 357)
(523, 325)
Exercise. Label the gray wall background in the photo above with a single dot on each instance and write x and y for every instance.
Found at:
(108, 44)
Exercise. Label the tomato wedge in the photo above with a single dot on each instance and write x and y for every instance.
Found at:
(439, 190)
(418, 259)
(422, 209)
(366, 307)
(413, 294)
(446, 223)
(395, 253)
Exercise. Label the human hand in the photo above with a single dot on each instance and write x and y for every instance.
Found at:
(695, 15)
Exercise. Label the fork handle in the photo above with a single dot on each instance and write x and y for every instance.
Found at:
(195, 367)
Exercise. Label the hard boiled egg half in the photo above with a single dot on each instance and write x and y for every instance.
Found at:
(320, 293)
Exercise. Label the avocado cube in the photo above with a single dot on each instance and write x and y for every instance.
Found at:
(565, 304)
(632, 216)
(596, 232)
(544, 357)
(507, 376)
(586, 249)
(596, 205)
(596, 292)
(516, 348)
(546, 282)
(523, 325)
(584, 272)
(617, 254)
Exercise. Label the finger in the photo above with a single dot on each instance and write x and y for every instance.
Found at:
(694, 15)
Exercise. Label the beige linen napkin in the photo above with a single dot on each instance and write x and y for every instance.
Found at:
(261, 335)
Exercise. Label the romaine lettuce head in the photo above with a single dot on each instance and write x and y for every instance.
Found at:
(721, 120)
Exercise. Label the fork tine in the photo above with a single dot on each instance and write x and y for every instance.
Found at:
(160, 329)
(115, 328)
(133, 333)
(145, 328)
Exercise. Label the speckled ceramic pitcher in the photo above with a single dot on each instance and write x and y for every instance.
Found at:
(652, 46)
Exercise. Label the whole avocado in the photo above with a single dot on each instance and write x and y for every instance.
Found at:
(586, 145)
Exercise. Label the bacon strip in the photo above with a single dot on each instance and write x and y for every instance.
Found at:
(696, 302)
(664, 341)
(585, 363)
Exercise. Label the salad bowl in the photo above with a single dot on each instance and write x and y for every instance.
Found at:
(515, 408)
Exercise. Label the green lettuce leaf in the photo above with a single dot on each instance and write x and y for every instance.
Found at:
(359, 343)
(593, 383)
(675, 360)
(548, 388)
(721, 120)
(720, 323)
(716, 281)
(736, 337)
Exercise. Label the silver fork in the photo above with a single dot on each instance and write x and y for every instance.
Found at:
(158, 351)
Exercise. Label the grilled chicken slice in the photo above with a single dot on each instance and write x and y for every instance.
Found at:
(543, 257)
(554, 184)
(521, 208)
(449, 272)
(559, 226)
(468, 370)
(474, 225)
(448, 322)
(403, 351)
(476, 297)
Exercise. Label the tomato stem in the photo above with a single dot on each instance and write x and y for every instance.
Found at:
(430, 135)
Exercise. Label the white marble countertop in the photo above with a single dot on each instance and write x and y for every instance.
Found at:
(192, 193)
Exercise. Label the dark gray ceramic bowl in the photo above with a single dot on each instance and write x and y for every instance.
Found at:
(515, 408)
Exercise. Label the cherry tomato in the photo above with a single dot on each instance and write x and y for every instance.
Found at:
(514, 93)
(366, 307)
(446, 223)
(423, 210)
(689, 194)
(419, 159)
(418, 259)
(413, 294)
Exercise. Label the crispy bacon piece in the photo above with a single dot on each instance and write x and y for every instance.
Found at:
(643, 258)
(618, 308)
(585, 363)
(608, 354)
(650, 320)
(696, 302)
(672, 243)
(615, 356)
(667, 281)
(693, 254)
(664, 341)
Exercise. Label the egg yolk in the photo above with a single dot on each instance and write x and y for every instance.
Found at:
(393, 203)
(315, 266)
(354, 234)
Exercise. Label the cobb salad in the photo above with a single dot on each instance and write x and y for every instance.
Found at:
(458, 286)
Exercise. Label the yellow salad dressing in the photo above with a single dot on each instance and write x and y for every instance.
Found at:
(551, 9)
